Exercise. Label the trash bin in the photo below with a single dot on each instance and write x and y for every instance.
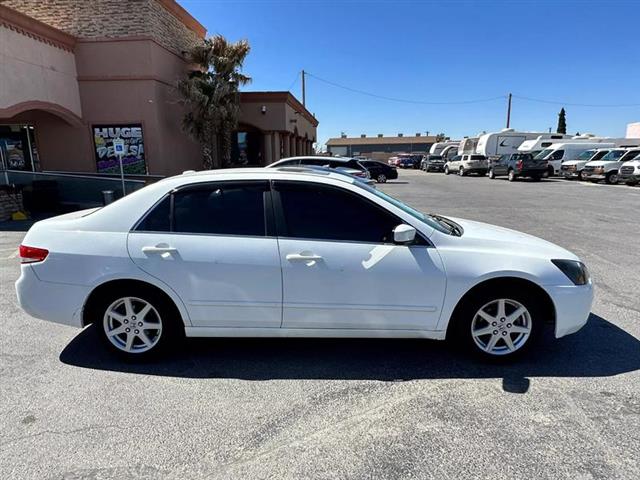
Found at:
(107, 197)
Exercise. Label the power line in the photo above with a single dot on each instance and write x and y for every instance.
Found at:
(569, 104)
(402, 100)
(295, 80)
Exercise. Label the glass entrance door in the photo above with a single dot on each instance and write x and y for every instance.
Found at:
(17, 148)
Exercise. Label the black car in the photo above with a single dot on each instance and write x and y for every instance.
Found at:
(432, 163)
(380, 172)
(515, 165)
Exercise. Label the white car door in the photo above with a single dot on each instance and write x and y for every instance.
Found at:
(341, 269)
(210, 244)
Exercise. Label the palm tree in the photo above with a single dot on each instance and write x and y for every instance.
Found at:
(211, 94)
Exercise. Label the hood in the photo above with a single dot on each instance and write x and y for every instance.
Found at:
(569, 163)
(631, 163)
(600, 163)
(492, 237)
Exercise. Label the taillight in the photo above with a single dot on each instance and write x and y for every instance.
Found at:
(519, 164)
(32, 254)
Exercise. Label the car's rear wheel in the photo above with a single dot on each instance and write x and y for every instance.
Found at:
(446, 170)
(382, 178)
(500, 325)
(512, 176)
(140, 323)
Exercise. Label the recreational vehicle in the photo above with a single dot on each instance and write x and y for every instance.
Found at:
(436, 148)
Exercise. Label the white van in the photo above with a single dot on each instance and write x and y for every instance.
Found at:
(559, 152)
(505, 141)
(607, 167)
(575, 168)
(436, 148)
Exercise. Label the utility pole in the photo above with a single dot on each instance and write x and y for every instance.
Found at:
(508, 112)
(304, 92)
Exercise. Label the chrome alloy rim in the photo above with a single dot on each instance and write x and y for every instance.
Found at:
(501, 326)
(132, 325)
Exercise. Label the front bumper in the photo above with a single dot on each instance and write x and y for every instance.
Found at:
(629, 176)
(572, 305)
(434, 168)
(54, 302)
(595, 176)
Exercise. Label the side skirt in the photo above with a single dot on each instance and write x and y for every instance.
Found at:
(311, 333)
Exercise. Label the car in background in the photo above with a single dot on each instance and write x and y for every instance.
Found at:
(320, 161)
(516, 165)
(571, 169)
(607, 167)
(379, 171)
(292, 252)
(630, 171)
(408, 160)
(432, 163)
(466, 164)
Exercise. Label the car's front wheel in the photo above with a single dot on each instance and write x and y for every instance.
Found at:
(446, 170)
(512, 176)
(582, 175)
(461, 171)
(381, 178)
(492, 174)
(138, 324)
(500, 325)
(611, 178)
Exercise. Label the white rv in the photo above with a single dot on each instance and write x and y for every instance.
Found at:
(449, 152)
(540, 143)
(468, 145)
(505, 141)
(436, 148)
(559, 152)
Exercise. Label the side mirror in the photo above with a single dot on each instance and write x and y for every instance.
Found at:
(404, 233)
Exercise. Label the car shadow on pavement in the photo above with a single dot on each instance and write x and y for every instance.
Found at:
(599, 349)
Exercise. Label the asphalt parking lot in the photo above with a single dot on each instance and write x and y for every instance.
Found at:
(348, 408)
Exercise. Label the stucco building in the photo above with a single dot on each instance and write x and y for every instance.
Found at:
(74, 75)
(379, 147)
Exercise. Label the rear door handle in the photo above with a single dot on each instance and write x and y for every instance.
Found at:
(159, 249)
(308, 258)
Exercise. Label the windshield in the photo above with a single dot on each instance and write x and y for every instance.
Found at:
(543, 154)
(613, 155)
(632, 155)
(585, 155)
(428, 219)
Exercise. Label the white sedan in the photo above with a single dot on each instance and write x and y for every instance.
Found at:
(294, 253)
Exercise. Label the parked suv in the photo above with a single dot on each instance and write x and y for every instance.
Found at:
(380, 172)
(432, 163)
(630, 171)
(607, 167)
(575, 168)
(406, 160)
(465, 164)
(516, 165)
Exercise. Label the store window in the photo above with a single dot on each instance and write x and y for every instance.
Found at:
(18, 148)
(133, 160)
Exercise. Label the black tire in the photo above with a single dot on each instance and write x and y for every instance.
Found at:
(511, 176)
(464, 322)
(461, 172)
(611, 178)
(446, 170)
(550, 171)
(492, 174)
(381, 178)
(166, 314)
(582, 175)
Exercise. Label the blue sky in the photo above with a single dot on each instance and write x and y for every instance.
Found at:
(580, 52)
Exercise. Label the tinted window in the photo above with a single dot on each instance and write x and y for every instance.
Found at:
(329, 213)
(314, 161)
(158, 219)
(224, 209)
(230, 208)
(557, 155)
(289, 163)
(477, 157)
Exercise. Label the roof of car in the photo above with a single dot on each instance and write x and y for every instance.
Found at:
(255, 171)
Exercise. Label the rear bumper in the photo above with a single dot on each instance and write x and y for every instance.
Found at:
(573, 306)
(535, 172)
(54, 302)
(392, 174)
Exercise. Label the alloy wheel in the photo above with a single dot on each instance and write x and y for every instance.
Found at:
(612, 178)
(132, 325)
(491, 174)
(501, 327)
(382, 178)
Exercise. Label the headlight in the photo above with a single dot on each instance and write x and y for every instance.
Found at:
(576, 271)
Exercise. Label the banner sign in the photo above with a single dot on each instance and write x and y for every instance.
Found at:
(107, 161)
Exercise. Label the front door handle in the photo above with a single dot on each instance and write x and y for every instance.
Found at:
(309, 258)
(159, 249)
